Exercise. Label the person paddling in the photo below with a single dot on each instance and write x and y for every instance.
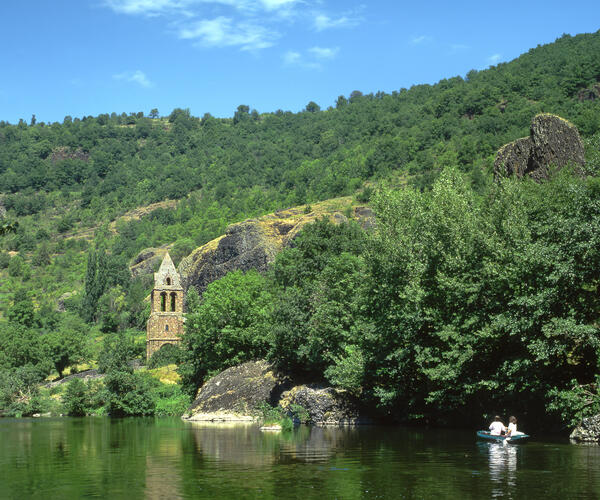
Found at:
(497, 427)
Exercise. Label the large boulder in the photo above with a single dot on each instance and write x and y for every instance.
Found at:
(247, 245)
(235, 394)
(254, 243)
(553, 143)
(588, 431)
(325, 405)
(147, 261)
(513, 158)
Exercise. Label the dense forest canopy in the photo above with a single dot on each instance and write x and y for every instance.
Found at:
(519, 258)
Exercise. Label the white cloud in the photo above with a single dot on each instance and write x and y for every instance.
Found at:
(417, 40)
(313, 59)
(160, 7)
(493, 59)
(138, 77)
(323, 22)
(224, 32)
(245, 24)
(146, 7)
(277, 4)
(290, 58)
(324, 52)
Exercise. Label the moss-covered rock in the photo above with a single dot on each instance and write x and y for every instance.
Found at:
(588, 431)
(236, 393)
(513, 158)
(553, 143)
(147, 261)
(325, 405)
(254, 243)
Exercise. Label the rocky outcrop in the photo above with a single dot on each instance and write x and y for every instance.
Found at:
(235, 394)
(588, 431)
(65, 153)
(553, 143)
(254, 243)
(589, 94)
(147, 261)
(513, 158)
(247, 245)
(325, 405)
(84, 375)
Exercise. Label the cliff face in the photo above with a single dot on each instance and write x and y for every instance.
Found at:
(553, 143)
(254, 243)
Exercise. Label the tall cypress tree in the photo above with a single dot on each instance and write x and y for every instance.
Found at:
(95, 282)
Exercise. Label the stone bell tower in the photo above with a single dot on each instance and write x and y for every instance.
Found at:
(165, 324)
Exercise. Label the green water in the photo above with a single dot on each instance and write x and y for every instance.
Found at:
(168, 458)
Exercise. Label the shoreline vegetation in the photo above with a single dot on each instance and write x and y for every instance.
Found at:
(467, 297)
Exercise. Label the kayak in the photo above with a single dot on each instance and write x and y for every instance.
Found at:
(509, 439)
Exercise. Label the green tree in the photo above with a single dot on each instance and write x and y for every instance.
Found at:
(228, 328)
(75, 399)
(312, 107)
(67, 343)
(22, 310)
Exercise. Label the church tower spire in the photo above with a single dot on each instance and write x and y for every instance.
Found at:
(165, 324)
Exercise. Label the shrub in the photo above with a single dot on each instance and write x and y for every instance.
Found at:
(129, 394)
(75, 398)
(167, 355)
(4, 260)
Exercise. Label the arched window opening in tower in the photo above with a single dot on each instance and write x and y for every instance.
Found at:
(163, 302)
(168, 281)
(173, 301)
(166, 328)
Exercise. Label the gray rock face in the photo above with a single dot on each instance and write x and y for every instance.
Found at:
(589, 94)
(254, 243)
(553, 143)
(235, 393)
(588, 431)
(513, 158)
(244, 246)
(85, 375)
(146, 262)
(366, 217)
(325, 405)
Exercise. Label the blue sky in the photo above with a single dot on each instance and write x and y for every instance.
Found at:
(86, 57)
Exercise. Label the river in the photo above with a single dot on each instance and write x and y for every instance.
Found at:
(167, 458)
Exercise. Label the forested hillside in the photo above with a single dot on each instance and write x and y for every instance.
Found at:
(431, 145)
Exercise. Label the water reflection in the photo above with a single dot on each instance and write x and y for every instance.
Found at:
(246, 444)
(167, 458)
(502, 460)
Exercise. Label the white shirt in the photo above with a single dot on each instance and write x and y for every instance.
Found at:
(496, 428)
(513, 430)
